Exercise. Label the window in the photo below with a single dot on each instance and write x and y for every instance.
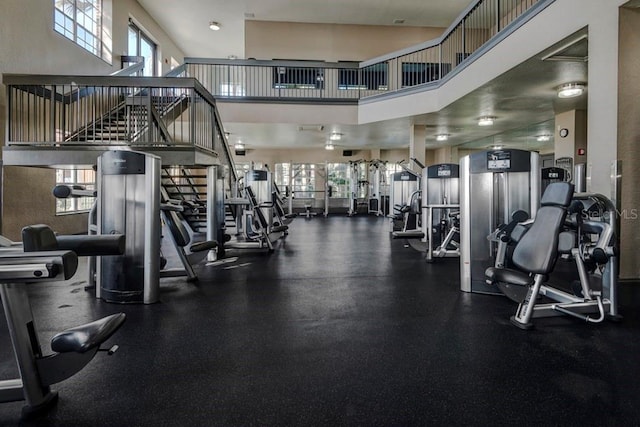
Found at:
(373, 77)
(83, 177)
(298, 78)
(417, 73)
(80, 21)
(304, 180)
(141, 44)
(338, 177)
(281, 176)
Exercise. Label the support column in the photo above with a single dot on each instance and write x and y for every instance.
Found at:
(603, 100)
(446, 155)
(417, 135)
(628, 139)
(574, 144)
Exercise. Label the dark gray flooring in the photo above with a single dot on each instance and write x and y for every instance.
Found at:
(340, 326)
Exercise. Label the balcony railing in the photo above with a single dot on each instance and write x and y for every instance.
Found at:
(98, 111)
(424, 65)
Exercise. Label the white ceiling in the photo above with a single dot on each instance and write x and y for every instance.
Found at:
(522, 118)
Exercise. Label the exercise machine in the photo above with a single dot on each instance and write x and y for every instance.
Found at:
(188, 252)
(493, 185)
(404, 200)
(586, 236)
(358, 185)
(129, 204)
(378, 188)
(440, 210)
(72, 349)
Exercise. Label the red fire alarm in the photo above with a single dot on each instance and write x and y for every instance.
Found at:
(581, 151)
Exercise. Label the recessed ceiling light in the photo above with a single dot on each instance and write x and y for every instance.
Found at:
(442, 137)
(543, 138)
(496, 147)
(570, 90)
(215, 26)
(239, 145)
(335, 136)
(486, 121)
(329, 146)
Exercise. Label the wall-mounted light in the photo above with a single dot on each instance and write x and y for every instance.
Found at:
(215, 26)
(335, 136)
(570, 90)
(486, 121)
(442, 137)
(329, 146)
(543, 138)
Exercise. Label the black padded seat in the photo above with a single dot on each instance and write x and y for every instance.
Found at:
(411, 234)
(515, 277)
(38, 237)
(88, 336)
(279, 228)
(181, 235)
(203, 246)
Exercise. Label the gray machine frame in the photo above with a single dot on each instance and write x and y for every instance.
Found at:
(129, 203)
(440, 196)
(493, 185)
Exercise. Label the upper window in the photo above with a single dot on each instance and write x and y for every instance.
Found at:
(298, 78)
(80, 21)
(373, 77)
(140, 44)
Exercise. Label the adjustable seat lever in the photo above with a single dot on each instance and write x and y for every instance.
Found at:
(110, 350)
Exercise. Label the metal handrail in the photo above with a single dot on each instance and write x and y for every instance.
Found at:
(423, 66)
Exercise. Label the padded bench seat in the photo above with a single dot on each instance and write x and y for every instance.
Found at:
(88, 336)
(410, 234)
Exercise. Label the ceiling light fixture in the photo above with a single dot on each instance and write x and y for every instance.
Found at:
(215, 26)
(543, 138)
(239, 146)
(335, 136)
(442, 137)
(329, 146)
(496, 147)
(570, 90)
(486, 121)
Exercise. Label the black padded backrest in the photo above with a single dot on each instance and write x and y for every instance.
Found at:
(276, 204)
(254, 204)
(557, 194)
(177, 228)
(537, 251)
(38, 237)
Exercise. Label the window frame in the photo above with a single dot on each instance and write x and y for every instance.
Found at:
(72, 27)
(75, 205)
(141, 36)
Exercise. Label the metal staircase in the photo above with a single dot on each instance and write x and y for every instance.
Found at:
(189, 187)
(68, 121)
